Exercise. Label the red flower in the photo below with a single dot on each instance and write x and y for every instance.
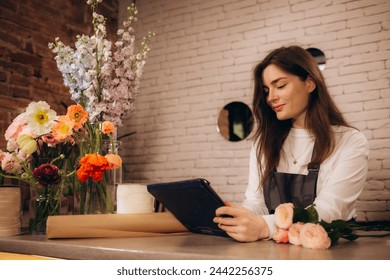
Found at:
(92, 165)
(47, 174)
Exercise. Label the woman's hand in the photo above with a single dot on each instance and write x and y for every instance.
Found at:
(242, 224)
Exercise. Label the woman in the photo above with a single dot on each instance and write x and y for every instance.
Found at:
(295, 112)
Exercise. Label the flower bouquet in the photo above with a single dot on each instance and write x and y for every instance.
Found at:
(46, 151)
(38, 153)
(302, 227)
(103, 79)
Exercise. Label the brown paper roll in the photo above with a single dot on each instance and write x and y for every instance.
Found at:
(113, 225)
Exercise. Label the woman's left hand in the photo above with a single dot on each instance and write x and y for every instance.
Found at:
(242, 225)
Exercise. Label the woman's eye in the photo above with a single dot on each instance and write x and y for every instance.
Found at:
(280, 86)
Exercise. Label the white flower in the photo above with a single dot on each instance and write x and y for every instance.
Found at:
(39, 117)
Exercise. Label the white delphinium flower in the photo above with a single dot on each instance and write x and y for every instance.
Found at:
(105, 83)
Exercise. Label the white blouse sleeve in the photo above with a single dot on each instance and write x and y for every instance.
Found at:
(344, 181)
(254, 198)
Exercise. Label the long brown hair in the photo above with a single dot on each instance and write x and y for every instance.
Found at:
(321, 113)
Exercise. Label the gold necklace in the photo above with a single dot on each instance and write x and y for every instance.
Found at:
(295, 160)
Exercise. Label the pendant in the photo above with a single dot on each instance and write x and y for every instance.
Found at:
(295, 161)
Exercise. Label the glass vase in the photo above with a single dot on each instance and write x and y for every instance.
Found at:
(42, 206)
(99, 197)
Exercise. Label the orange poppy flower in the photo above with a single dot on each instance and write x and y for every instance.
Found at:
(78, 114)
(115, 161)
(92, 165)
(63, 128)
(108, 127)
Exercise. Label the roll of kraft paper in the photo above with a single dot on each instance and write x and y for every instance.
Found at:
(113, 225)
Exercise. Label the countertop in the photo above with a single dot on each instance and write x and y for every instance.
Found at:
(190, 246)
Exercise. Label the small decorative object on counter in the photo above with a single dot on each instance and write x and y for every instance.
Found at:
(10, 210)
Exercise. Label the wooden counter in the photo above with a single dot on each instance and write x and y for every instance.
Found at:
(189, 246)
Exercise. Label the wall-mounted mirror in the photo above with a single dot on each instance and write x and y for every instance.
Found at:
(235, 121)
(319, 56)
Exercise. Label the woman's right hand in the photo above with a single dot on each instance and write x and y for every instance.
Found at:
(241, 224)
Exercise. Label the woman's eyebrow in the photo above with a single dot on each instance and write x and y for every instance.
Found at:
(277, 80)
(274, 81)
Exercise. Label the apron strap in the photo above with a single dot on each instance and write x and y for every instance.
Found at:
(309, 191)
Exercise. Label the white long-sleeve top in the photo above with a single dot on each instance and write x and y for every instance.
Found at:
(340, 180)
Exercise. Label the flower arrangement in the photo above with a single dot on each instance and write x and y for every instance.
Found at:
(302, 227)
(104, 80)
(46, 150)
(42, 149)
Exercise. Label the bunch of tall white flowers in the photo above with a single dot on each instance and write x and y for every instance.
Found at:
(104, 82)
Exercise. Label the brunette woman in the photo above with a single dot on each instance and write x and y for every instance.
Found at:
(304, 150)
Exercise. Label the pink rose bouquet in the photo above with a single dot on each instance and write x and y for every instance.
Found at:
(302, 227)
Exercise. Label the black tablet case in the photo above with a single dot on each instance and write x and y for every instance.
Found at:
(193, 202)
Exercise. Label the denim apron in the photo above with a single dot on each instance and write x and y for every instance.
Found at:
(287, 187)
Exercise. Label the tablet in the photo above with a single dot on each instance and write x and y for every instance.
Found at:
(193, 202)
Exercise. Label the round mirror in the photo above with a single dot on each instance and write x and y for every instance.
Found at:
(235, 121)
(319, 56)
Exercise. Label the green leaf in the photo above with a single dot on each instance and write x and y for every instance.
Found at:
(313, 215)
(300, 215)
(307, 215)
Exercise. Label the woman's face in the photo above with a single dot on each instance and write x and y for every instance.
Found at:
(287, 94)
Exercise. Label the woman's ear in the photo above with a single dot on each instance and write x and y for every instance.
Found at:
(310, 84)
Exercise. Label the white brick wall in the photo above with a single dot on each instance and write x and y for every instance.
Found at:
(203, 57)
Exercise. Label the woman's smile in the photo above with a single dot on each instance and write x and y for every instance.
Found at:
(278, 108)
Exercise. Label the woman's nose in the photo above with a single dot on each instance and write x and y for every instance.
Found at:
(272, 96)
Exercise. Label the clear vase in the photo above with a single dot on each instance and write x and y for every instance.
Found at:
(99, 197)
(42, 206)
(94, 198)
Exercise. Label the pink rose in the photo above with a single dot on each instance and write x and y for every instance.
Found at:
(284, 215)
(294, 233)
(314, 236)
(10, 164)
(280, 235)
(15, 127)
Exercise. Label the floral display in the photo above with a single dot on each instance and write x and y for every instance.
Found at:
(42, 149)
(103, 80)
(302, 227)
(77, 151)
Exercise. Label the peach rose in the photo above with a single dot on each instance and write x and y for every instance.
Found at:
(280, 235)
(284, 215)
(294, 233)
(314, 236)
